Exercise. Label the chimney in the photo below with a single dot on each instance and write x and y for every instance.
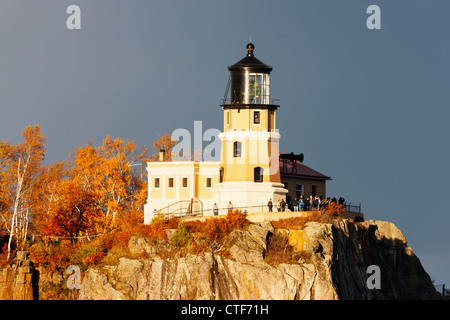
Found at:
(162, 153)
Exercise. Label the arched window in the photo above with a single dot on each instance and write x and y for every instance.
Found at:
(237, 146)
(258, 174)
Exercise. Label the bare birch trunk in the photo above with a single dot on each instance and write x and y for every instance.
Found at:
(24, 230)
(16, 208)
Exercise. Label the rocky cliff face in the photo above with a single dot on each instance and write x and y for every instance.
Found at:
(21, 280)
(17, 280)
(338, 257)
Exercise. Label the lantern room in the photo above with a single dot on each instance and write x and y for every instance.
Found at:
(249, 82)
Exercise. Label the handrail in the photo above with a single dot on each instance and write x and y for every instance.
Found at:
(200, 212)
(182, 207)
(201, 205)
(229, 102)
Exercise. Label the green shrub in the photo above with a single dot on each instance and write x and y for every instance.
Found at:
(181, 237)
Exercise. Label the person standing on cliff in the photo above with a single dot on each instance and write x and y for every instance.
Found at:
(283, 205)
(301, 204)
(295, 203)
(270, 205)
(230, 207)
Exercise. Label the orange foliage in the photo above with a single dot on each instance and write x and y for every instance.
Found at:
(278, 249)
(53, 256)
(76, 214)
(20, 167)
(101, 188)
(327, 215)
(113, 173)
(165, 143)
(334, 209)
(214, 230)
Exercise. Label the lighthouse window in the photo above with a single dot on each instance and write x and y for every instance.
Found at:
(256, 117)
(258, 88)
(258, 174)
(237, 149)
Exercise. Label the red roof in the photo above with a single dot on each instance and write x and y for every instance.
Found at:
(298, 169)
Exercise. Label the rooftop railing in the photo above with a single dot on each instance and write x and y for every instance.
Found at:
(229, 102)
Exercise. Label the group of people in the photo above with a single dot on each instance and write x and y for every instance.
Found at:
(303, 204)
(216, 208)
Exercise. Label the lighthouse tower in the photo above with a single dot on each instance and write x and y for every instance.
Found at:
(249, 164)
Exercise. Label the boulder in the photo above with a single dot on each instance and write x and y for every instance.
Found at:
(243, 247)
(138, 245)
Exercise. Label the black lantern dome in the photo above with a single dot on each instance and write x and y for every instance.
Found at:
(250, 63)
(249, 83)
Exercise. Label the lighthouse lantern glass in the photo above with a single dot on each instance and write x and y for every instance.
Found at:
(258, 88)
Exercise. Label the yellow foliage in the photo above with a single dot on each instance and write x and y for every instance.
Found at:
(298, 239)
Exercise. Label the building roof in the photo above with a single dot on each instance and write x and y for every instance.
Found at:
(250, 62)
(299, 170)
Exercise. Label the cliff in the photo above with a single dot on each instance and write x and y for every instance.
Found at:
(16, 280)
(333, 261)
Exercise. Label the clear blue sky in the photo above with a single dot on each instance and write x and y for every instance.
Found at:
(370, 108)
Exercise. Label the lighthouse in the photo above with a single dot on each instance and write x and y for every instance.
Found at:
(249, 170)
(249, 173)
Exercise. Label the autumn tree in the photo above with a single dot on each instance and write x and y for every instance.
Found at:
(113, 174)
(77, 213)
(5, 159)
(165, 143)
(19, 175)
(96, 190)
(51, 189)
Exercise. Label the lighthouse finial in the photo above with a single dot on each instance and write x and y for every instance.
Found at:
(250, 48)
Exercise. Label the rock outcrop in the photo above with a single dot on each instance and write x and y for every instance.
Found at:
(21, 280)
(17, 280)
(338, 257)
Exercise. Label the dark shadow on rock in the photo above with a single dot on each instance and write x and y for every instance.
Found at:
(357, 246)
(35, 283)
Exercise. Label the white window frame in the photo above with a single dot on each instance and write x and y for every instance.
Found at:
(257, 110)
(265, 99)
